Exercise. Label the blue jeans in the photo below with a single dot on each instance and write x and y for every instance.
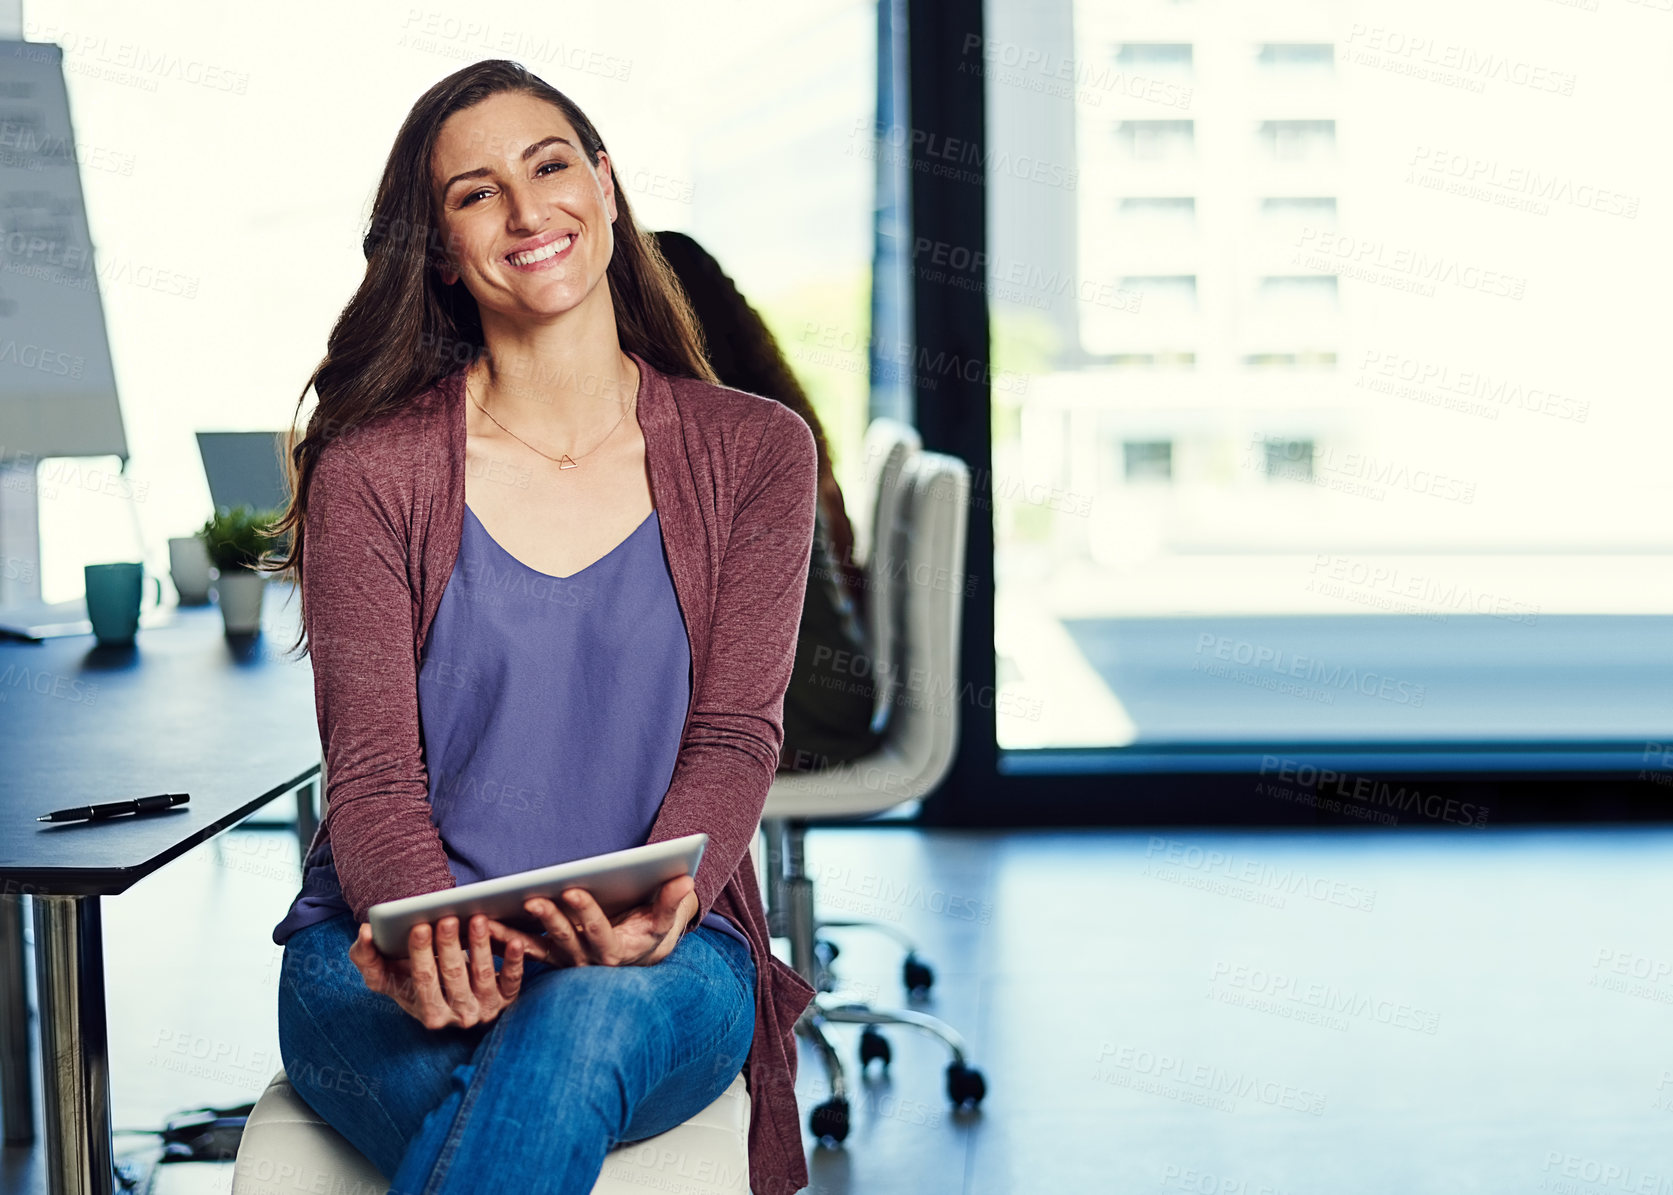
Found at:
(584, 1059)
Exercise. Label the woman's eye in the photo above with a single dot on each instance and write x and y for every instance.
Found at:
(471, 198)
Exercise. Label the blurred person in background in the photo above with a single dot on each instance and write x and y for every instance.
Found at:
(828, 706)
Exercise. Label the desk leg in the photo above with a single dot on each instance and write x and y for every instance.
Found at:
(17, 1096)
(70, 981)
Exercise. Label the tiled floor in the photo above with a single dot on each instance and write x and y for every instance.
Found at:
(1226, 1013)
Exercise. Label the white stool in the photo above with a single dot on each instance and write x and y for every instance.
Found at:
(287, 1148)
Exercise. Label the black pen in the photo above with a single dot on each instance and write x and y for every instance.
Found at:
(113, 808)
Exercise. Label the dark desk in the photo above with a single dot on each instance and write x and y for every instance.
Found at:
(230, 721)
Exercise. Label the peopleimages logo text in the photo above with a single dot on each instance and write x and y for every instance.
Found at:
(1309, 668)
(1210, 1078)
(1289, 881)
(1374, 792)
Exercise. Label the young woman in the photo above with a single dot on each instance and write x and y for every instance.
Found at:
(551, 576)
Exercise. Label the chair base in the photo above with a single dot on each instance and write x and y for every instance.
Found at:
(916, 975)
(853, 1013)
(790, 914)
(828, 1121)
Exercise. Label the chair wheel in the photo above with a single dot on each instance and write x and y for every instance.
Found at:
(829, 1121)
(873, 1045)
(965, 1085)
(916, 975)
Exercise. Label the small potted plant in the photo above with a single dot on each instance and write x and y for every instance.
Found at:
(236, 541)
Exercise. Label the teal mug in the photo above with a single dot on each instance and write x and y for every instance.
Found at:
(115, 593)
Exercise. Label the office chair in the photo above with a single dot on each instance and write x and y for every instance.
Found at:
(889, 446)
(888, 442)
(915, 585)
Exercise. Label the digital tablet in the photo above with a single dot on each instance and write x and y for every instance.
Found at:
(617, 880)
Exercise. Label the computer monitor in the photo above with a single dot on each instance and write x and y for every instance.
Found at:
(244, 469)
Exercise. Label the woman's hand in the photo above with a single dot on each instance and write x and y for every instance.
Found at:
(639, 937)
(452, 989)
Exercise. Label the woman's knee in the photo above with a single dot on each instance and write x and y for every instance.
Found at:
(330, 1023)
(611, 1018)
(318, 1040)
(626, 988)
(590, 998)
(590, 1017)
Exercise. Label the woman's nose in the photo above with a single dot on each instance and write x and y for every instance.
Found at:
(524, 212)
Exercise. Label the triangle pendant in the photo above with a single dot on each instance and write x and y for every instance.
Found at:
(565, 463)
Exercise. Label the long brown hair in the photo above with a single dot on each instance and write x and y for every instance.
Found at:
(404, 330)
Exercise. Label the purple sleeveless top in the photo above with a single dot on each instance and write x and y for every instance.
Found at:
(551, 710)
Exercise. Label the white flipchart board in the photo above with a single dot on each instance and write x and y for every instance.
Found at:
(57, 388)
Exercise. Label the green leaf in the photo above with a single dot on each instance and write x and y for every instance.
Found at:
(238, 538)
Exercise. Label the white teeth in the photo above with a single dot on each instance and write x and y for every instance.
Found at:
(542, 253)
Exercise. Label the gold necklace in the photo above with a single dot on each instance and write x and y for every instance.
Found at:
(563, 462)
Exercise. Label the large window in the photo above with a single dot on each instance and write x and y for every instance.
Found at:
(1329, 400)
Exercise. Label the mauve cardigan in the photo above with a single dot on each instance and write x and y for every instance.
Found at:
(733, 481)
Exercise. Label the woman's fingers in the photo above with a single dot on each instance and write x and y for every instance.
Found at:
(388, 977)
(453, 962)
(511, 972)
(532, 946)
(416, 982)
(560, 930)
(668, 900)
(428, 1005)
(483, 977)
(367, 958)
(491, 996)
(595, 926)
(665, 928)
(599, 940)
(644, 935)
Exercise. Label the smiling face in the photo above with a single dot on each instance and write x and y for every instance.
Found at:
(525, 216)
